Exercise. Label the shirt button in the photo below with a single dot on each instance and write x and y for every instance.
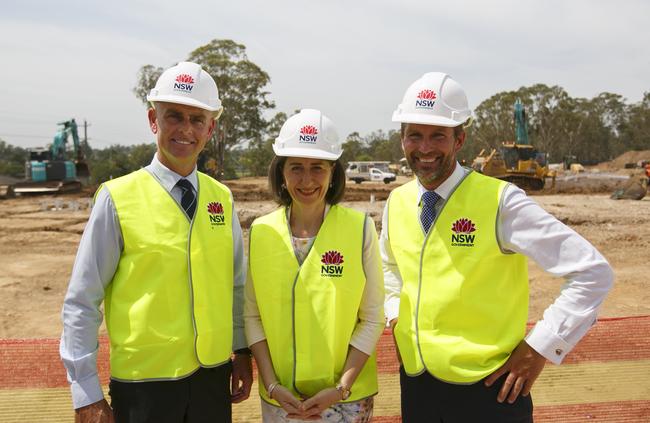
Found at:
(558, 352)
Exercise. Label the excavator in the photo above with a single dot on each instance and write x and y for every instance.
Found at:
(516, 161)
(49, 170)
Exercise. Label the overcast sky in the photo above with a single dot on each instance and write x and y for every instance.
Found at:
(351, 59)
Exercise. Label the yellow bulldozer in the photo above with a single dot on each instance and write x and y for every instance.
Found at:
(516, 161)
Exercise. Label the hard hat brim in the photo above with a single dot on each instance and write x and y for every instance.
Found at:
(306, 153)
(426, 120)
(183, 100)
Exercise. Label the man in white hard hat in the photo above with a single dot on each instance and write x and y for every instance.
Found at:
(163, 251)
(455, 245)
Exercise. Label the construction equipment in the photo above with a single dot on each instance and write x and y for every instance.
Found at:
(516, 161)
(50, 170)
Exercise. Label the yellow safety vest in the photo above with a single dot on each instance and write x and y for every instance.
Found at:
(169, 305)
(464, 301)
(309, 312)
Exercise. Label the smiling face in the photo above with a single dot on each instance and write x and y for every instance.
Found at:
(182, 132)
(307, 180)
(431, 152)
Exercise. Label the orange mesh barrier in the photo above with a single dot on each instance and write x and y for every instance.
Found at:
(605, 379)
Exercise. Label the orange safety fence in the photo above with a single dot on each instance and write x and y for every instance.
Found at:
(606, 378)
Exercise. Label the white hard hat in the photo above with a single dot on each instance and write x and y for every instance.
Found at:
(187, 83)
(434, 99)
(308, 134)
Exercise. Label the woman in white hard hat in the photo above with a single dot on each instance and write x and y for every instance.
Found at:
(314, 295)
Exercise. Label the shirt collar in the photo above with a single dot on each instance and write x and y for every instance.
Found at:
(168, 178)
(445, 189)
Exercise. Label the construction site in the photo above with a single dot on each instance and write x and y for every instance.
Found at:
(43, 216)
(603, 378)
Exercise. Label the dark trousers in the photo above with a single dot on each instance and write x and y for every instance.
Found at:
(426, 399)
(201, 397)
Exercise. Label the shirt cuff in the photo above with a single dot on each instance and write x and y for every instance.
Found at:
(391, 309)
(239, 339)
(547, 343)
(86, 392)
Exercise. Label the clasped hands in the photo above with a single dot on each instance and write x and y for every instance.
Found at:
(308, 409)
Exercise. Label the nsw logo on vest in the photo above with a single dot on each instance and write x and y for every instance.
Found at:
(184, 83)
(332, 266)
(308, 134)
(215, 210)
(425, 99)
(462, 235)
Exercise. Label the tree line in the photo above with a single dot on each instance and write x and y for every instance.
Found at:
(594, 130)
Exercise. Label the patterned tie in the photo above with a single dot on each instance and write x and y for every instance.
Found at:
(188, 199)
(428, 214)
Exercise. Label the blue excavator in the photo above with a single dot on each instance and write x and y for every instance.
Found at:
(55, 169)
(516, 161)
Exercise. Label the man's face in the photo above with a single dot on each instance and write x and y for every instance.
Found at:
(431, 152)
(181, 132)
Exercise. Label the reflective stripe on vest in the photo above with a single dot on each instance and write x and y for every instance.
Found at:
(309, 312)
(464, 302)
(167, 311)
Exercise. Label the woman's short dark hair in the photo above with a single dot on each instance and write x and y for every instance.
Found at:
(281, 195)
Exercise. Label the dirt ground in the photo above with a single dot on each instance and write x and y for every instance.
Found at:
(39, 237)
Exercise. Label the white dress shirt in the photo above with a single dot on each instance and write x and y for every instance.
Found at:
(524, 227)
(97, 259)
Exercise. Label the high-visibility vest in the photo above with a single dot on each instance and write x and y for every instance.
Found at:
(309, 312)
(464, 301)
(169, 305)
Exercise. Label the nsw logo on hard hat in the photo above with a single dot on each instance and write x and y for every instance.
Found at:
(463, 235)
(184, 83)
(309, 134)
(425, 99)
(332, 264)
(215, 211)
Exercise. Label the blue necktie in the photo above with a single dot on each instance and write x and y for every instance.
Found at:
(188, 199)
(428, 213)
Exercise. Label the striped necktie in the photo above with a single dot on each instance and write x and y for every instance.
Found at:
(188, 198)
(428, 213)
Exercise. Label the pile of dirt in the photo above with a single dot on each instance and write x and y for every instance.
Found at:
(633, 156)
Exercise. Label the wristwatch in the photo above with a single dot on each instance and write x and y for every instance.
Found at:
(345, 392)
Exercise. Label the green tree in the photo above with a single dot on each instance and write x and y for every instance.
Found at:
(384, 146)
(241, 89)
(256, 158)
(635, 135)
(12, 160)
(140, 155)
(493, 124)
(354, 149)
(147, 77)
(109, 163)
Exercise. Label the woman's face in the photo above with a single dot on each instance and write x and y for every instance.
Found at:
(307, 180)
